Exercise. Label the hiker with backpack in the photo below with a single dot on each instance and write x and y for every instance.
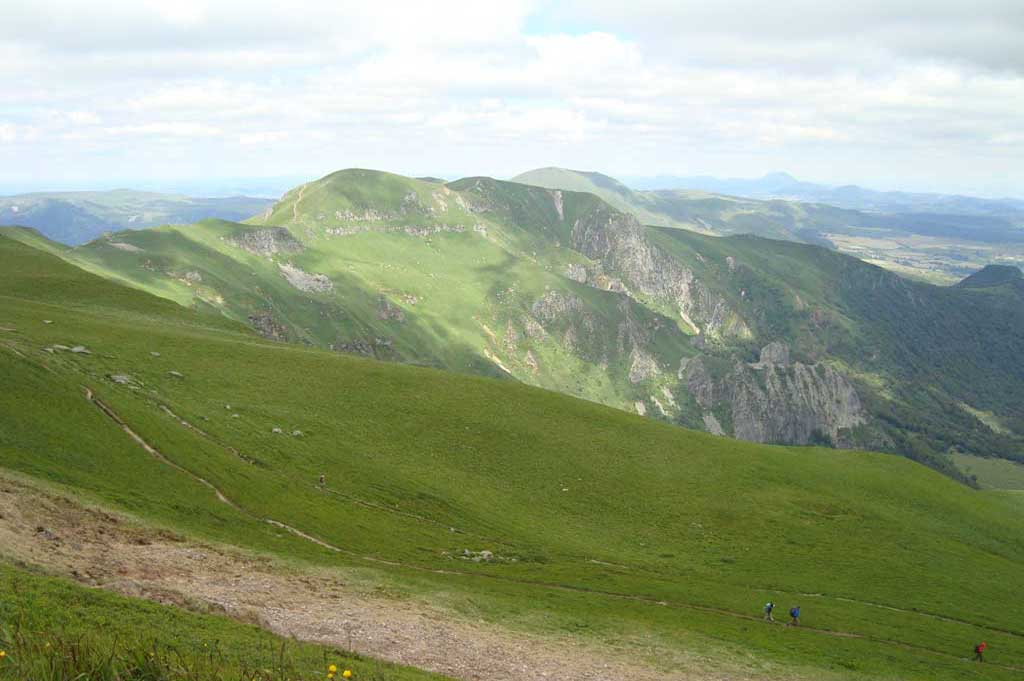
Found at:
(978, 650)
(768, 607)
(794, 614)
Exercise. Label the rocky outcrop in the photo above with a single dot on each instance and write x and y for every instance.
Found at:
(618, 242)
(422, 231)
(712, 425)
(305, 281)
(779, 401)
(556, 198)
(268, 327)
(267, 242)
(388, 311)
(555, 305)
(380, 348)
(642, 367)
(576, 272)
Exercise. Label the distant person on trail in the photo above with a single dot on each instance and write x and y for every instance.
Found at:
(794, 614)
(978, 650)
(768, 607)
(323, 479)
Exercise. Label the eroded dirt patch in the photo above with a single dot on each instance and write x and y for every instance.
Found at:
(102, 549)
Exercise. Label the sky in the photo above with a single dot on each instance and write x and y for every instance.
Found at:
(893, 94)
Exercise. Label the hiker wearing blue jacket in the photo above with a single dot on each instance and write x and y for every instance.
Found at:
(794, 614)
(768, 607)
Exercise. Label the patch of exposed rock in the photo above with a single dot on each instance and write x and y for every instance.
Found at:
(555, 305)
(642, 366)
(533, 329)
(380, 348)
(131, 248)
(576, 272)
(421, 231)
(618, 242)
(268, 327)
(531, 361)
(556, 198)
(267, 242)
(776, 400)
(511, 339)
(388, 311)
(305, 281)
(712, 425)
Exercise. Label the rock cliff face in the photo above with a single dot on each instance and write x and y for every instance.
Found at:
(619, 244)
(777, 401)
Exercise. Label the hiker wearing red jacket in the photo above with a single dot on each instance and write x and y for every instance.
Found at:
(978, 650)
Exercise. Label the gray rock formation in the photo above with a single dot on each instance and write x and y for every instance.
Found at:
(778, 401)
(268, 327)
(642, 366)
(576, 272)
(305, 281)
(388, 311)
(267, 242)
(619, 243)
(712, 425)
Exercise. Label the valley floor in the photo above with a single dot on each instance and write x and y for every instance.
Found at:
(332, 607)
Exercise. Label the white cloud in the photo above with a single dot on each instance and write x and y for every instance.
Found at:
(869, 92)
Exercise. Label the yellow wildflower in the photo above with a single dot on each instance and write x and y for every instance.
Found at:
(333, 668)
(347, 673)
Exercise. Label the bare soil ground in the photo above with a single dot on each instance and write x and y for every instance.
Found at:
(105, 550)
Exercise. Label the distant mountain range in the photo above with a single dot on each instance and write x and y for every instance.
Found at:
(77, 217)
(941, 247)
(785, 186)
(760, 339)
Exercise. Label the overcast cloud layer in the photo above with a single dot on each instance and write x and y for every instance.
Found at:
(894, 94)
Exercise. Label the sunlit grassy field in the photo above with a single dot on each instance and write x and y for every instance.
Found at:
(602, 524)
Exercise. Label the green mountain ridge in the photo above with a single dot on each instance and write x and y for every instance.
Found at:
(598, 525)
(768, 341)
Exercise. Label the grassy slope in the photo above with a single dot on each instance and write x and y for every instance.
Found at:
(491, 250)
(458, 291)
(53, 629)
(992, 473)
(647, 509)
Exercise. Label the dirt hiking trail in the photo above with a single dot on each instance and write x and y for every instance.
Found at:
(105, 550)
